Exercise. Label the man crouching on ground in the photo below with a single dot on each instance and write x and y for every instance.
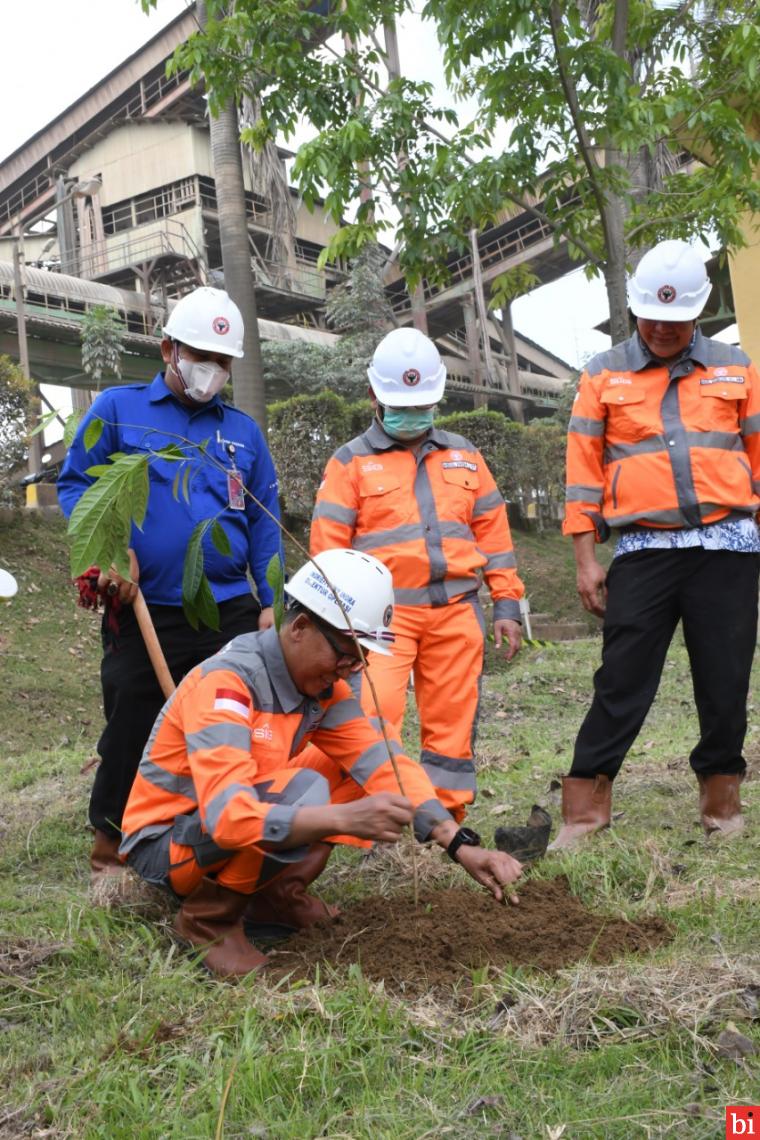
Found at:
(220, 811)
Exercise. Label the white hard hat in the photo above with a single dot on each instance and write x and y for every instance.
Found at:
(207, 319)
(407, 370)
(670, 284)
(8, 585)
(364, 586)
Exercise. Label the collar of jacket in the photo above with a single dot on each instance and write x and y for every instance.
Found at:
(271, 652)
(160, 390)
(379, 439)
(639, 357)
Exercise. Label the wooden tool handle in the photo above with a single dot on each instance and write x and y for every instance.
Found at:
(153, 645)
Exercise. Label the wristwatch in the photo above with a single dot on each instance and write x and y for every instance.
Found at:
(465, 837)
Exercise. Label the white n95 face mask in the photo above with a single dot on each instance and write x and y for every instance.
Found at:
(202, 379)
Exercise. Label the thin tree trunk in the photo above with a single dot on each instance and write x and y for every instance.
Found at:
(614, 271)
(393, 63)
(615, 211)
(479, 398)
(226, 159)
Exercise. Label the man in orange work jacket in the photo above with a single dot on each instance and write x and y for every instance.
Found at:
(225, 813)
(664, 447)
(424, 502)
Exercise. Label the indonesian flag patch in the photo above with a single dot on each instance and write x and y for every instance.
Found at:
(230, 700)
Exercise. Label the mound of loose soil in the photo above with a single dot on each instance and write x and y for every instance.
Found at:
(451, 932)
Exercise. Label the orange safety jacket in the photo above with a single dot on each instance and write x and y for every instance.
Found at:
(437, 520)
(663, 445)
(236, 717)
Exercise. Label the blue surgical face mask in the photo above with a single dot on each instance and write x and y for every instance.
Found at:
(407, 423)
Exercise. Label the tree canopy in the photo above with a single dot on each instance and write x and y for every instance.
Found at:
(583, 113)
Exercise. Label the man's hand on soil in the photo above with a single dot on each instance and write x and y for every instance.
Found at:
(381, 817)
(492, 869)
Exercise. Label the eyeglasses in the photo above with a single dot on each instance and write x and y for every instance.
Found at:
(343, 658)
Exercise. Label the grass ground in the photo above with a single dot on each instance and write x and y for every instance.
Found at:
(108, 1030)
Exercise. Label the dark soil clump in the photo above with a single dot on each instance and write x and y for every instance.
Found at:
(455, 931)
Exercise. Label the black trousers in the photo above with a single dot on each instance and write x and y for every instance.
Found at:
(132, 697)
(714, 593)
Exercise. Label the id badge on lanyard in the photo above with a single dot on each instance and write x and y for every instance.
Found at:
(235, 485)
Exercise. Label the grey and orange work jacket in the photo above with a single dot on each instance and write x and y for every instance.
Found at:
(436, 519)
(236, 718)
(659, 444)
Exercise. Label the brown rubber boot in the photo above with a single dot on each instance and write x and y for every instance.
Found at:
(104, 857)
(586, 808)
(719, 804)
(210, 918)
(284, 904)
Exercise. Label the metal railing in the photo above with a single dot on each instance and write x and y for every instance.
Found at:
(295, 279)
(257, 209)
(107, 256)
(494, 252)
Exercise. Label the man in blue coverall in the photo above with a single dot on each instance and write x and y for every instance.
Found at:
(202, 336)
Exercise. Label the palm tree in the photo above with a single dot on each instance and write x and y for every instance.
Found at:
(248, 375)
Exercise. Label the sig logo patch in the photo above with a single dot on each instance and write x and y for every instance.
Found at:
(666, 294)
(220, 325)
(411, 377)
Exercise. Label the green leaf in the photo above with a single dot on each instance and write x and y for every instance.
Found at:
(220, 539)
(45, 421)
(72, 423)
(175, 484)
(198, 602)
(172, 453)
(186, 483)
(139, 489)
(100, 524)
(192, 571)
(203, 607)
(276, 580)
(93, 432)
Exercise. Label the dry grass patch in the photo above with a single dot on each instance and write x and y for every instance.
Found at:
(590, 1006)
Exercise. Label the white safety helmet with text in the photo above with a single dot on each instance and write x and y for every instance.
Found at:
(670, 284)
(365, 588)
(208, 320)
(407, 370)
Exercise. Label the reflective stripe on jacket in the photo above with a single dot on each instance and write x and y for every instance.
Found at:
(663, 445)
(238, 716)
(437, 520)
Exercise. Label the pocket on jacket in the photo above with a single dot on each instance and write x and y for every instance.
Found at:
(721, 407)
(629, 417)
(147, 441)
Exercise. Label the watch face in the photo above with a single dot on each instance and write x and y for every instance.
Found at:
(469, 836)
